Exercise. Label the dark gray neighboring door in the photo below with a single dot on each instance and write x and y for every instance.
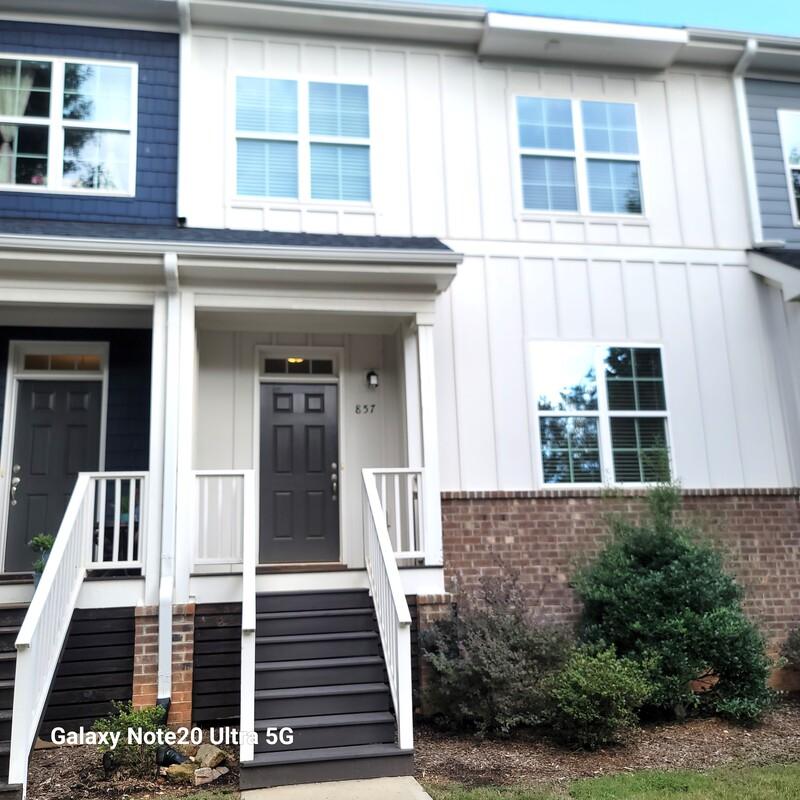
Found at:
(299, 473)
(56, 436)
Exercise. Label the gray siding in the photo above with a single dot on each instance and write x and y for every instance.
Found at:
(764, 99)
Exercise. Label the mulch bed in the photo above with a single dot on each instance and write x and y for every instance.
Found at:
(76, 773)
(698, 744)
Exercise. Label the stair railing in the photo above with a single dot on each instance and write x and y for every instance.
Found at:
(391, 608)
(249, 561)
(95, 532)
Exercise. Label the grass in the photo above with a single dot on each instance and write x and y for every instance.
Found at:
(753, 783)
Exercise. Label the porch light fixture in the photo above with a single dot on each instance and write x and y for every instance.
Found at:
(295, 360)
(372, 379)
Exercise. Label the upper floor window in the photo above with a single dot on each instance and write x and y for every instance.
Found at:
(579, 156)
(602, 413)
(321, 153)
(789, 122)
(67, 125)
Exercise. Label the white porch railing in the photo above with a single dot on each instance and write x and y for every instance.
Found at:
(220, 518)
(391, 608)
(400, 493)
(249, 539)
(102, 528)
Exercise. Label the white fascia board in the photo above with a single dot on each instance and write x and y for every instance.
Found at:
(394, 21)
(242, 251)
(567, 40)
(783, 275)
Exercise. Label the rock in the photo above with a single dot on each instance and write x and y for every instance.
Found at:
(187, 749)
(223, 770)
(204, 775)
(180, 773)
(209, 755)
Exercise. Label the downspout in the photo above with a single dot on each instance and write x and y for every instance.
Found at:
(746, 142)
(170, 476)
(184, 144)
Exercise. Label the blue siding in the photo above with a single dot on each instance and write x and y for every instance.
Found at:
(128, 417)
(764, 99)
(157, 146)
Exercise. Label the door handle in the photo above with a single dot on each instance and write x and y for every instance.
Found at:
(15, 482)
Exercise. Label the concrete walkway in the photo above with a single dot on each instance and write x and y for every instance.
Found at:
(375, 789)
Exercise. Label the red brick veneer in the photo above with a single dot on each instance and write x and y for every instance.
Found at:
(545, 534)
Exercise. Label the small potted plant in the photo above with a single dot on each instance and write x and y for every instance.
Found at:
(41, 544)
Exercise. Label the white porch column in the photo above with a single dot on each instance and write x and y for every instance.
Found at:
(186, 377)
(413, 426)
(172, 407)
(432, 508)
(155, 483)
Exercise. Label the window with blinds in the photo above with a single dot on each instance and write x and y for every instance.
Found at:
(789, 124)
(302, 140)
(578, 156)
(602, 413)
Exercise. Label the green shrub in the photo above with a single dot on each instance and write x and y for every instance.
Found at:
(139, 759)
(595, 696)
(790, 650)
(488, 662)
(658, 594)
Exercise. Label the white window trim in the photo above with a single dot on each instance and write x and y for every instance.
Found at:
(580, 155)
(603, 415)
(15, 372)
(56, 126)
(784, 115)
(304, 140)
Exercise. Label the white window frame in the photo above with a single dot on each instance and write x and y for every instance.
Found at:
(304, 140)
(784, 115)
(581, 157)
(56, 126)
(603, 414)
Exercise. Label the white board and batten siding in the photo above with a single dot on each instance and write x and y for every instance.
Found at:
(443, 145)
(445, 164)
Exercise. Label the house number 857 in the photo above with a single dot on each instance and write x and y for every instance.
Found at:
(365, 408)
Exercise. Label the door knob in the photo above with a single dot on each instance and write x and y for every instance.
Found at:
(15, 482)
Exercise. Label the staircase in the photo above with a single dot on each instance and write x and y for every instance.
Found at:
(11, 616)
(320, 671)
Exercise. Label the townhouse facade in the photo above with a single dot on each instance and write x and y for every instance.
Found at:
(315, 313)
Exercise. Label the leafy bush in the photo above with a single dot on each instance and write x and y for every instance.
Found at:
(790, 650)
(139, 759)
(489, 661)
(595, 696)
(658, 594)
(41, 544)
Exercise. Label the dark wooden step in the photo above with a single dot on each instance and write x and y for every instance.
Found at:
(5, 725)
(319, 700)
(6, 693)
(317, 645)
(294, 623)
(292, 767)
(313, 601)
(13, 614)
(319, 672)
(333, 730)
(11, 791)
(8, 636)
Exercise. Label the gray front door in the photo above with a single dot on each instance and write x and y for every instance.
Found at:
(56, 436)
(299, 473)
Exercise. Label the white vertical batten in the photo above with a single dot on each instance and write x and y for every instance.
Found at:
(432, 501)
(184, 94)
(170, 476)
(411, 387)
(745, 140)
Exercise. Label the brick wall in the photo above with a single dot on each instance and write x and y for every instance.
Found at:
(145, 670)
(545, 534)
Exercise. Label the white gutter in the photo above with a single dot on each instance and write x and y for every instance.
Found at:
(184, 70)
(170, 477)
(363, 255)
(746, 142)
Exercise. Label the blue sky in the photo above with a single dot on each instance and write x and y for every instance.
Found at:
(758, 16)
